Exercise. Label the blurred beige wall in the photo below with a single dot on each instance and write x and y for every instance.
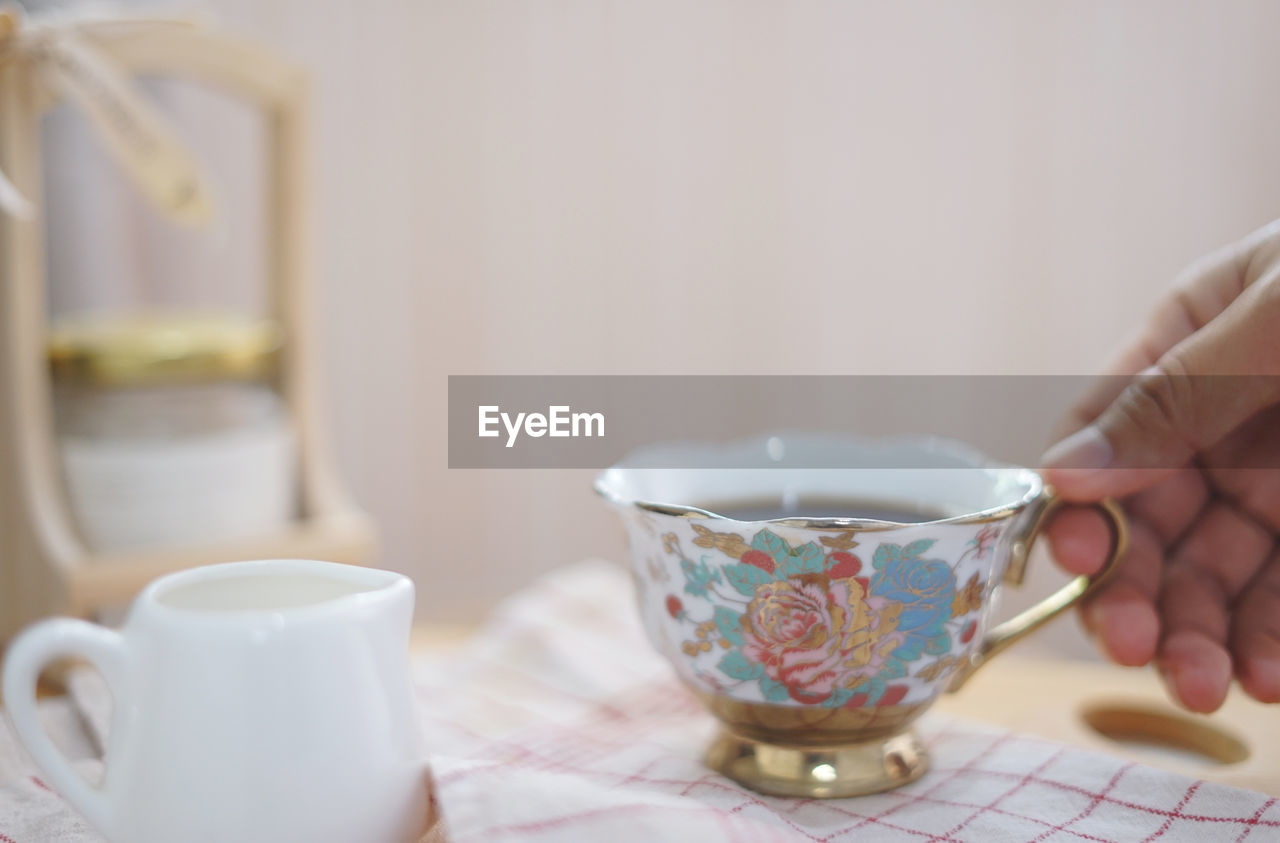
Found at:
(664, 186)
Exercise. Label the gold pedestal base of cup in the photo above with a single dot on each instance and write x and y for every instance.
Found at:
(819, 772)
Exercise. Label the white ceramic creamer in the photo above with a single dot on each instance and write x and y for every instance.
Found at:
(254, 701)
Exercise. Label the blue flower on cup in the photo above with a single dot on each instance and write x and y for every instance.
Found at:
(925, 588)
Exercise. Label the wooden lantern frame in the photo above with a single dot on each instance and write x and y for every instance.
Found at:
(45, 566)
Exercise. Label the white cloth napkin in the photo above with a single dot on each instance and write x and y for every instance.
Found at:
(559, 723)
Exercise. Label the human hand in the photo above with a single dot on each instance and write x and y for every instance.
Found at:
(1186, 434)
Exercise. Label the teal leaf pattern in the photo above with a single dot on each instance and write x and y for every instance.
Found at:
(773, 690)
(805, 559)
(745, 578)
(893, 669)
(772, 544)
(738, 666)
(729, 623)
(838, 697)
(698, 576)
(913, 550)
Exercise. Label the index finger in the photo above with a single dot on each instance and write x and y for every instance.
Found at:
(1200, 292)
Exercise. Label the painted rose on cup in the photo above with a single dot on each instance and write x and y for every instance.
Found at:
(811, 633)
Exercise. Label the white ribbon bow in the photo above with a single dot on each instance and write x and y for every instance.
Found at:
(61, 49)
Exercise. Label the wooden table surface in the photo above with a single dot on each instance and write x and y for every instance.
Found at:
(1238, 745)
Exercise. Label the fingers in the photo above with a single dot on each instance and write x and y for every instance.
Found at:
(1122, 614)
(1215, 560)
(1126, 624)
(1104, 390)
(1246, 468)
(1227, 546)
(1255, 634)
(1260, 252)
(1172, 506)
(1193, 659)
(1196, 670)
(1220, 321)
(1184, 614)
(1199, 294)
(1198, 393)
(1205, 386)
(1080, 539)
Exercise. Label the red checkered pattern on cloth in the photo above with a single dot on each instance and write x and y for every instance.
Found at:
(559, 723)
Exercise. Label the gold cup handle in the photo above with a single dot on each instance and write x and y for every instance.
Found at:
(1046, 610)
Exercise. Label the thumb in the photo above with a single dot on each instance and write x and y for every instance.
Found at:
(1195, 395)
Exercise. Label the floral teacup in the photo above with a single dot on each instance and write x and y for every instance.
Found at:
(818, 611)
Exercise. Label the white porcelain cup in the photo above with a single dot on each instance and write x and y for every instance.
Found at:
(253, 701)
(820, 592)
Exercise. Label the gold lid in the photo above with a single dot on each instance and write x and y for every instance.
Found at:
(155, 348)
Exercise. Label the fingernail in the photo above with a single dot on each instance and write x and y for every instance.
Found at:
(1086, 448)
(1102, 633)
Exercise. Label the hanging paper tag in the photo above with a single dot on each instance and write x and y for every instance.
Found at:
(134, 131)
